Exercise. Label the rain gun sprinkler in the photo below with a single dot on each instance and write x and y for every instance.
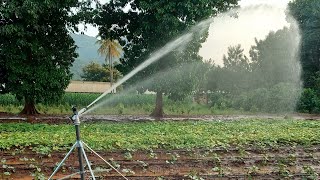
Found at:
(79, 144)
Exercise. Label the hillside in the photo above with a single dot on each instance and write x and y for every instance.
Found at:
(87, 50)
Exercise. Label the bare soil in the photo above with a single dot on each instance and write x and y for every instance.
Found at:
(232, 163)
(62, 119)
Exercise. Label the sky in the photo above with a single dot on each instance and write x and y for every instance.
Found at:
(256, 19)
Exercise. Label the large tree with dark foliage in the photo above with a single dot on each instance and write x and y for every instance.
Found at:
(149, 25)
(101, 73)
(36, 49)
(276, 58)
(307, 14)
(3, 76)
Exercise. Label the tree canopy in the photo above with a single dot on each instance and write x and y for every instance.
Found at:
(149, 25)
(110, 49)
(3, 76)
(267, 81)
(236, 60)
(97, 72)
(307, 14)
(276, 58)
(36, 49)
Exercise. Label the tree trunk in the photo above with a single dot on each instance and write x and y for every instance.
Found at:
(29, 107)
(158, 110)
(111, 71)
(111, 77)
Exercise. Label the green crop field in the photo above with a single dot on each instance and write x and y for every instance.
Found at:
(167, 135)
(261, 148)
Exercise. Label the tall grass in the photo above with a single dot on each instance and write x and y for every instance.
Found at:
(133, 104)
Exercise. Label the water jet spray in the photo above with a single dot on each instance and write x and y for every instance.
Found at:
(79, 144)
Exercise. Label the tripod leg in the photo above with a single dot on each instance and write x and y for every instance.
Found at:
(87, 161)
(81, 167)
(105, 161)
(64, 159)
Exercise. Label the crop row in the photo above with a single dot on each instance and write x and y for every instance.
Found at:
(83, 99)
(164, 135)
(110, 104)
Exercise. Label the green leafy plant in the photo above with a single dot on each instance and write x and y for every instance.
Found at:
(37, 174)
(127, 155)
(43, 138)
(173, 157)
(283, 171)
(194, 176)
(311, 172)
(220, 170)
(252, 170)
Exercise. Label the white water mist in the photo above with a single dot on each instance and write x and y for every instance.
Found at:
(203, 26)
(181, 41)
(170, 73)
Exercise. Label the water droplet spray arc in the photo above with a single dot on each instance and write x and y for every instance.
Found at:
(155, 56)
(199, 28)
(178, 43)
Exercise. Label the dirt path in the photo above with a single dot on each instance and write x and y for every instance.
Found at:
(58, 119)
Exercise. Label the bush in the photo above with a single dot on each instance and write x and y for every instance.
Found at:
(309, 102)
(219, 100)
(282, 97)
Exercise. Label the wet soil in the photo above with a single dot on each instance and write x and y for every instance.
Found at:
(287, 162)
(62, 119)
(231, 163)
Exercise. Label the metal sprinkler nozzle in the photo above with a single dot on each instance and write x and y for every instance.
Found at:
(75, 117)
(82, 111)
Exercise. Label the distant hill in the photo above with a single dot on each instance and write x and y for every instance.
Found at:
(87, 50)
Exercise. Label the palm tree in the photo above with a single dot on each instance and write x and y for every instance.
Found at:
(111, 49)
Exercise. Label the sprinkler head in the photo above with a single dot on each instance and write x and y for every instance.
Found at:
(74, 110)
(75, 117)
(82, 111)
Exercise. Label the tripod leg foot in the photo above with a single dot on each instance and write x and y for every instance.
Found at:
(87, 161)
(64, 159)
(104, 160)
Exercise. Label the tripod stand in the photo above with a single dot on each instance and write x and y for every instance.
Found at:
(79, 144)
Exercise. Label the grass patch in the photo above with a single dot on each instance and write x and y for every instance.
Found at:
(132, 104)
(166, 135)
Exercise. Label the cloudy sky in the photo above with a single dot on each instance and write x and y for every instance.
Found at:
(256, 19)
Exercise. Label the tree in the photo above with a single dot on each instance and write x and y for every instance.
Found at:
(36, 48)
(234, 76)
(275, 59)
(111, 49)
(3, 76)
(149, 25)
(236, 60)
(96, 72)
(307, 14)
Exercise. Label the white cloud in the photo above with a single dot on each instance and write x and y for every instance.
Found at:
(256, 19)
